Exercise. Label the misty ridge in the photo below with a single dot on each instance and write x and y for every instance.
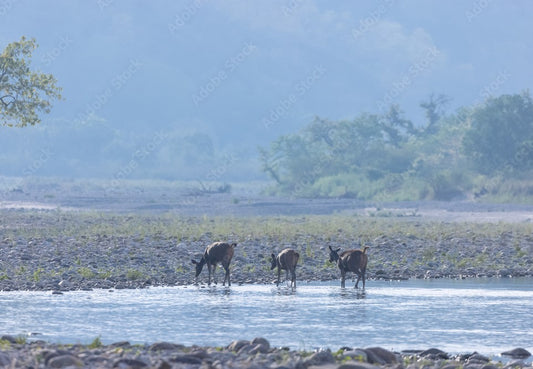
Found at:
(376, 101)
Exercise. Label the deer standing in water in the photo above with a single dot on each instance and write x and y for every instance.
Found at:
(218, 252)
(287, 260)
(350, 261)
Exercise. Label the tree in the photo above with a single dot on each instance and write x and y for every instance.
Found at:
(334, 148)
(23, 92)
(396, 128)
(434, 108)
(501, 134)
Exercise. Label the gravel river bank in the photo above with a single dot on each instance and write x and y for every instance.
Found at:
(62, 250)
(256, 353)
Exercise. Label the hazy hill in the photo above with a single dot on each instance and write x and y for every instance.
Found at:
(196, 85)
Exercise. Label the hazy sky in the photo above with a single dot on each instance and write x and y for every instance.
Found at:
(246, 72)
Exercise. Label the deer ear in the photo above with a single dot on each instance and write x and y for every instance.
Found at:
(273, 256)
(339, 249)
(330, 248)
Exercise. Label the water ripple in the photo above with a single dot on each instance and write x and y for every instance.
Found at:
(487, 315)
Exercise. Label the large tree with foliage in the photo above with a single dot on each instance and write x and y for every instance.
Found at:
(368, 146)
(500, 138)
(23, 93)
(385, 156)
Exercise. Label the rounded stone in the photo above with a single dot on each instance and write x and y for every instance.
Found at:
(518, 353)
(63, 361)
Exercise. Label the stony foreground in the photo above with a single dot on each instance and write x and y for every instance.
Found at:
(239, 354)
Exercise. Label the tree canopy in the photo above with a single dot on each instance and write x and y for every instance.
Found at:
(501, 134)
(388, 157)
(23, 93)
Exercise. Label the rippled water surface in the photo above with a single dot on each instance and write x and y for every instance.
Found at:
(484, 315)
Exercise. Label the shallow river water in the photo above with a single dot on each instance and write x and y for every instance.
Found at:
(484, 315)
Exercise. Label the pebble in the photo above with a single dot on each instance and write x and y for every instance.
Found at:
(517, 353)
(320, 358)
(378, 355)
(237, 354)
(63, 361)
(4, 359)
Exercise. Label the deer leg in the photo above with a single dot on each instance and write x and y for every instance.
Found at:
(343, 278)
(279, 276)
(214, 275)
(357, 282)
(286, 276)
(293, 277)
(226, 276)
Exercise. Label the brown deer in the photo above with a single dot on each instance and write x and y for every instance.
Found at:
(286, 260)
(217, 252)
(350, 261)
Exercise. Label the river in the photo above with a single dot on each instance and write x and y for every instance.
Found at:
(484, 315)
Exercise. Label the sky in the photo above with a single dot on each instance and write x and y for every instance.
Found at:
(245, 72)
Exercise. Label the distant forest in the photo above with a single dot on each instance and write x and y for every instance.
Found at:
(96, 149)
(483, 151)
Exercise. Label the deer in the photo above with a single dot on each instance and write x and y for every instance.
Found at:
(350, 261)
(286, 260)
(217, 252)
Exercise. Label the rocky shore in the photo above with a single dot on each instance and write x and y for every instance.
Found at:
(64, 251)
(238, 354)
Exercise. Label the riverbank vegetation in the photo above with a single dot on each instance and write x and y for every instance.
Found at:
(482, 152)
(360, 229)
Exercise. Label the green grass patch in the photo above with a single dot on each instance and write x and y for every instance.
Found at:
(96, 343)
